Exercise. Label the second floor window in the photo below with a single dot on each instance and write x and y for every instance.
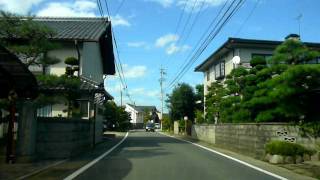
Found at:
(219, 70)
(267, 57)
(208, 75)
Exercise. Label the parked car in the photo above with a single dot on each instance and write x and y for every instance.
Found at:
(157, 125)
(150, 127)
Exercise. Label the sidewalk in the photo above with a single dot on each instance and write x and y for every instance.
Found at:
(304, 171)
(57, 169)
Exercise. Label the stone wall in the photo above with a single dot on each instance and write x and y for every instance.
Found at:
(63, 138)
(176, 127)
(249, 138)
(204, 133)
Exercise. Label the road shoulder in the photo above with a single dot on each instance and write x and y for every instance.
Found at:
(68, 167)
(255, 162)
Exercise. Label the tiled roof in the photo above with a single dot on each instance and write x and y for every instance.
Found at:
(86, 86)
(90, 29)
(245, 43)
(142, 108)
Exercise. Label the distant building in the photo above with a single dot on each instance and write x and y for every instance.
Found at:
(219, 64)
(137, 114)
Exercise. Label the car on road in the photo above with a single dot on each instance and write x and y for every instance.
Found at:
(157, 125)
(150, 127)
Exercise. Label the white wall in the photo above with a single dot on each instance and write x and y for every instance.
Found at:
(132, 112)
(57, 109)
(66, 50)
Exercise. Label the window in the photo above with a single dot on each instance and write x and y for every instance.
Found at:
(314, 61)
(219, 70)
(267, 57)
(208, 75)
(84, 109)
(44, 111)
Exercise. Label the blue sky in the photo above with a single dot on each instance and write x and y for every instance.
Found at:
(146, 33)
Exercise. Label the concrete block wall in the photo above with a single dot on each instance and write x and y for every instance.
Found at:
(249, 138)
(176, 127)
(204, 133)
(63, 138)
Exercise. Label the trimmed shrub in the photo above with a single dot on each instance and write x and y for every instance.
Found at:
(286, 149)
(257, 61)
(72, 61)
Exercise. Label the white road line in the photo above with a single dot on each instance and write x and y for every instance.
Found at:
(87, 166)
(229, 157)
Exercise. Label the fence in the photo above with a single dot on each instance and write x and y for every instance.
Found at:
(250, 138)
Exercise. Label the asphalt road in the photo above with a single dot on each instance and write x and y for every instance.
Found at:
(152, 156)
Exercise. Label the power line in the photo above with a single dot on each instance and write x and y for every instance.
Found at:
(191, 27)
(204, 34)
(202, 39)
(100, 8)
(119, 7)
(107, 7)
(248, 17)
(210, 37)
(118, 63)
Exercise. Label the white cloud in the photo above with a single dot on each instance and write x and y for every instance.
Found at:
(189, 3)
(18, 6)
(164, 3)
(144, 92)
(85, 5)
(173, 48)
(119, 21)
(134, 71)
(166, 39)
(137, 44)
(80, 8)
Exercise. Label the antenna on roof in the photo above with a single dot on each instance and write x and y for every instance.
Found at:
(298, 18)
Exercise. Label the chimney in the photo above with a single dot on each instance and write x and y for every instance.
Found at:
(293, 37)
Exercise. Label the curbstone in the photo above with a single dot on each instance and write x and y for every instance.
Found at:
(306, 157)
(289, 160)
(315, 157)
(276, 159)
(267, 157)
(298, 159)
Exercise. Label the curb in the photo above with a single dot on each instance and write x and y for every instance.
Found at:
(41, 170)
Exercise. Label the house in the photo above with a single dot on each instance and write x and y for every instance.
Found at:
(90, 41)
(137, 114)
(219, 63)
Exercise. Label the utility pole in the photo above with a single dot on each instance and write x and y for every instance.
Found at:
(161, 80)
(120, 98)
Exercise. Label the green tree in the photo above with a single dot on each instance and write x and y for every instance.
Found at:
(116, 118)
(28, 39)
(293, 52)
(214, 97)
(146, 115)
(199, 97)
(181, 102)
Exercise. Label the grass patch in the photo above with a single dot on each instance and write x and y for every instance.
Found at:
(287, 149)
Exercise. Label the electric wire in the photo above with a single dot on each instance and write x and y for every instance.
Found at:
(205, 44)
